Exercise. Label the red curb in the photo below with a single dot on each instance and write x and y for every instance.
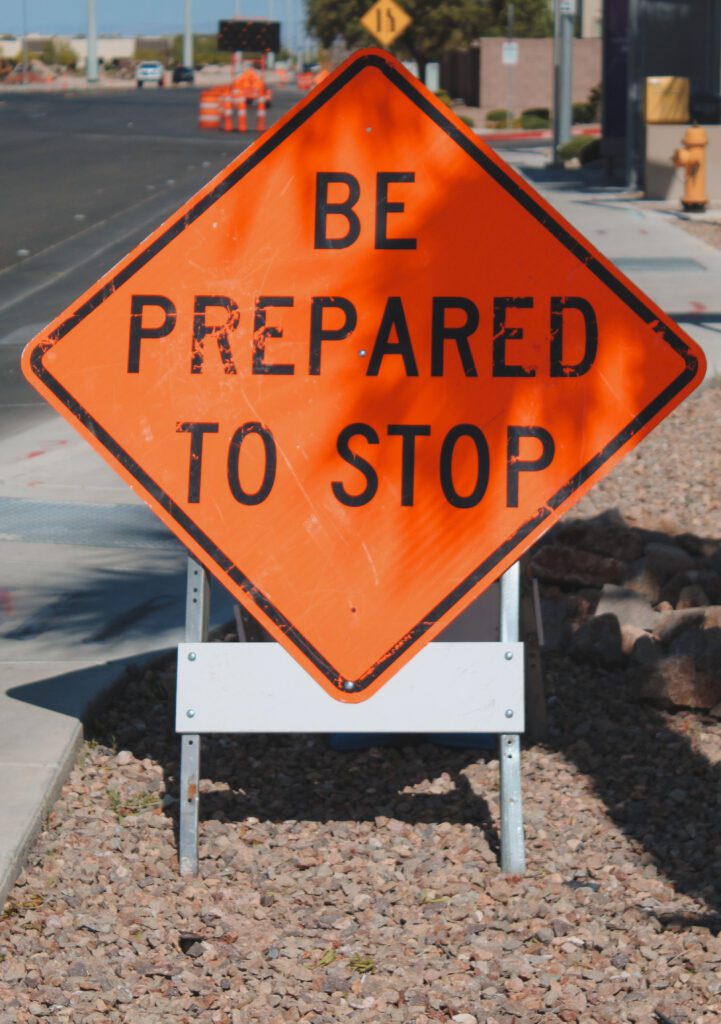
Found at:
(532, 133)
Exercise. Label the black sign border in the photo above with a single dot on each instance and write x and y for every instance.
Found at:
(609, 277)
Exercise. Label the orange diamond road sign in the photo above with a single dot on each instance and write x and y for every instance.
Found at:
(362, 371)
(385, 21)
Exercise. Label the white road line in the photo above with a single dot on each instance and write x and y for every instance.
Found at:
(87, 258)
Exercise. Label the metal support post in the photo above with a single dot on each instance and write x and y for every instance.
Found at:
(25, 42)
(188, 35)
(91, 61)
(509, 85)
(565, 113)
(513, 856)
(197, 608)
(556, 81)
(634, 119)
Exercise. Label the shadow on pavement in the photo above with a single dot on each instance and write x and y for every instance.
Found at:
(81, 692)
(113, 607)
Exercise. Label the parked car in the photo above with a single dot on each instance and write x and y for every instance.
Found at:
(183, 74)
(149, 71)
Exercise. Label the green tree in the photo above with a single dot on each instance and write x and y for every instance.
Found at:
(436, 26)
(58, 54)
(205, 50)
(532, 19)
(48, 54)
(65, 56)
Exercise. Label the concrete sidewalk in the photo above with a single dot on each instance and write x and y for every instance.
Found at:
(92, 582)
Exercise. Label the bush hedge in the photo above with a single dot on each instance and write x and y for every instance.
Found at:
(575, 147)
(529, 120)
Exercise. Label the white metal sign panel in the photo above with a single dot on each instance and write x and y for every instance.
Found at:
(258, 687)
(509, 52)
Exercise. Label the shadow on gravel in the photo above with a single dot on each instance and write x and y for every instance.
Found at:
(299, 777)
(657, 789)
(661, 791)
(629, 705)
(286, 777)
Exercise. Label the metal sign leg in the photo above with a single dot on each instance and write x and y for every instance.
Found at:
(189, 803)
(197, 607)
(513, 855)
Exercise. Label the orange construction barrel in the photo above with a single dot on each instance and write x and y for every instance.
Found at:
(209, 111)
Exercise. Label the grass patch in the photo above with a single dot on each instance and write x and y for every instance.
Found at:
(362, 964)
(123, 807)
(13, 908)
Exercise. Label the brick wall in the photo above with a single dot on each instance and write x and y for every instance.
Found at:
(533, 75)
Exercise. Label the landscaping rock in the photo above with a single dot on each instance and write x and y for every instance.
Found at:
(665, 560)
(678, 681)
(672, 622)
(629, 607)
(559, 563)
(692, 596)
(598, 640)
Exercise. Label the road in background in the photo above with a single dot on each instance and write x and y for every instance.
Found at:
(84, 177)
(90, 580)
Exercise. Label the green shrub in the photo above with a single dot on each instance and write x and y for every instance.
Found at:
(574, 147)
(534, 121)
(497, 116)
(444, 97)
(590, 152)
(543, 112)
(467, 120)
(582, 113)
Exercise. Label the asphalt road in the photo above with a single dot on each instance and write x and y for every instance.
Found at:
(84, 177)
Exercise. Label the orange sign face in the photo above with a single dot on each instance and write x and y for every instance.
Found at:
(362, 371)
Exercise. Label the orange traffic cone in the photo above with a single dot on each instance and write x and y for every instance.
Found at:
(242, 114)
(260, 116)
(227, 113)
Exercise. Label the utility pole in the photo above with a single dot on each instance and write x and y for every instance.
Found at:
(25, 42)
(287, 27)
(91, 63)
(633, 107)
(564, 16)
(510, 11)
(188, 36)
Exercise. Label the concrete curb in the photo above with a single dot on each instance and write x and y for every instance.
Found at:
(11, 867)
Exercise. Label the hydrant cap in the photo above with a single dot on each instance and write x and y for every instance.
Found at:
(695, 136)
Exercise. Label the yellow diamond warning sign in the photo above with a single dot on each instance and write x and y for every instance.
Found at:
(361, 371)
(385, 21)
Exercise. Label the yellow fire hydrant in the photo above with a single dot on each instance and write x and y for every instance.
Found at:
(692, 157)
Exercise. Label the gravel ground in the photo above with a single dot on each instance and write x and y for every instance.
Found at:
(708, 228)
(366, 887)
